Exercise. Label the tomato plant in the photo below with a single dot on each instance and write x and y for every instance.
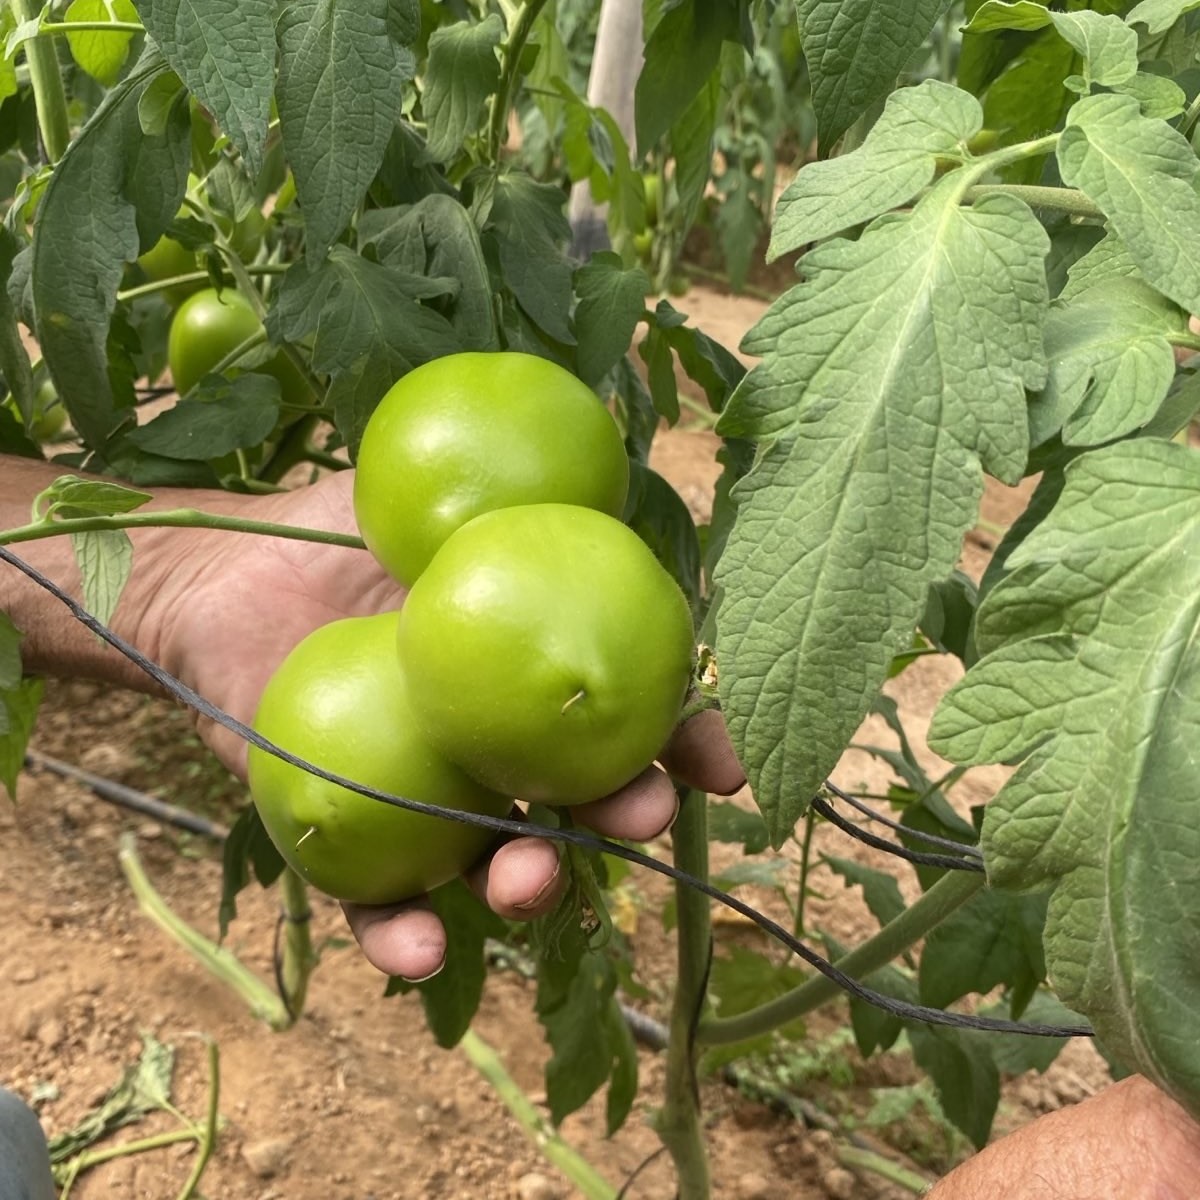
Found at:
(992, 212)
(340, 700)
(469, 433)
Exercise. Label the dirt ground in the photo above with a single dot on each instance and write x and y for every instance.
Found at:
(357, 1102)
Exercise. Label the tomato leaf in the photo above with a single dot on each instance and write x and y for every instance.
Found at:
(1140, 172)
(729, 823)
(105, 559)
(1092, 679)
(247, 848)
(655, 511)
(960, 1063)
(880, 890)
(898, 158)
(342, 80)
(1159, 15)
(111, 195)
(691, 137)
(452, 996)
(883, 335)
(855, 49)
(224, 51)
(611, 301)
(236, 414)
(18, 711)
(528, 222)
(101, 54)
(463, 71)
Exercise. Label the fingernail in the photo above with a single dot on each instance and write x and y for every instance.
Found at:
(421, 979)
(674, 815)
(540, 894)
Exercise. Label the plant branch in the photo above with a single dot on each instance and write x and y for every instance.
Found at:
(581, 1174)
(179, 518)
(518, 36)
(208, 1138)
(1067, 200)
(159, 285)
(49, 98)
(67, 27)
(950, 892)
(867, 1160)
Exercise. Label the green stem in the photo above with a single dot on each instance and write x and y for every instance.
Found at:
(159, 285)
(177, 518)
(87, 1159)
(292, 449)
(64, 27)
(678, 1122)
(208, 1139)
(510, 69)
(48, 95)
(867, 1160)
(950, 892)
(299, 958)
(810, 821)
(1067, 200)
(581, 1174)
(1188, 341)
(1189, 117)
(262, 1001)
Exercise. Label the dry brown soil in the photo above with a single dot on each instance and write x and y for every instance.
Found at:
(356, 1102)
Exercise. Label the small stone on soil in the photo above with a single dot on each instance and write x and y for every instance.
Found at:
(536, 1187)
(268, 1156)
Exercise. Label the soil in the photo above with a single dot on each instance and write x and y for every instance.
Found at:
(356, 1102)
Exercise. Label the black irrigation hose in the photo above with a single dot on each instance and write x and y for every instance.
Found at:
(898, 1008)
(919, 835)
(949, 861)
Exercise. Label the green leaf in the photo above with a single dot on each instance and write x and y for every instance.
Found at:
(1156, 95)
(10, 654)
(436, 237)
(1016, 1053)
(887, 376)
(18, 711)
(1092, 678)
(655, 511)
(962, 1068)
(234, 415)
(1106, 44)
(111, 196)
(70, 496)
(691, 138)
(742, 979)
(611, 301)
(1111, 363)
(463, 71)
(341, 90)
(577, 1006)
(855, 49)
(1141, 172)
(682, 52)
(531, 227)
(729, 823)
(105, 558)
(224, 51)
(100, 54)
(451, 998)
(1159, 15)
(14, 357)
(880, 890)
(898, 158)
(247, 848)
(995, 939)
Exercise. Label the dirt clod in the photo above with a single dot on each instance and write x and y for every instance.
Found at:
(535, 1186)
(267, 1157)
(839, 1184)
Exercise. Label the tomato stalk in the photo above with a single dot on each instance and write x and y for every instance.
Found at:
(950, 892)
(49, 98)
(299, 958)
(518, 36)
(1067, 200)
(678, 1122)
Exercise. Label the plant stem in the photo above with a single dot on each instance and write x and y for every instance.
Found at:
(950, 892)
(159, 285)
(1068, 200)
(176, 518)
(48, 95)
(518, 36)
(292, 449)
(678, 1122)
(810, 821)
(64, 27)
(867, 1160)
(299, 958)
(581, 1174)
(212, 1118)
(262, 1001)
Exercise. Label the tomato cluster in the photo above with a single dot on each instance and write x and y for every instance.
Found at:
(541, 653)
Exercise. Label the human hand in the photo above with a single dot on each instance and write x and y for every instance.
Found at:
(1128, 1142)
(228, 608)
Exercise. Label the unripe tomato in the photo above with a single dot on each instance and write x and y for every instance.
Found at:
(166, 259)
(652, 190)
(472, 432)
(550, 650)
(208, 327)
(49, 416)
(340, 700)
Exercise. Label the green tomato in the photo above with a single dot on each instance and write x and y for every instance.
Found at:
(49, 416)
(166, 259)
(469, 433)
(209, 326)
(550, 650)
(340, 701)
(652, 189)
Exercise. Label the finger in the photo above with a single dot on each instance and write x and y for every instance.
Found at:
(399, 939)
(641, 810)
(523, 879)
(701, 755)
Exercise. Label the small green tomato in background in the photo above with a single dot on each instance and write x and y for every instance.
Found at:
(469, 433)
(208, 327)
(340, 700)
(550, 650)
(49, 416)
